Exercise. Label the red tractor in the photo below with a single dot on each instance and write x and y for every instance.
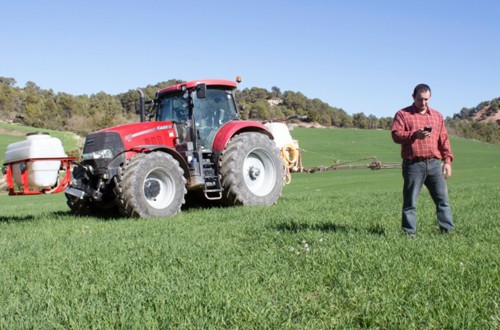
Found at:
(190, 140)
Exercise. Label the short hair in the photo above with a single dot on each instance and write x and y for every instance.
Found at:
(421, 88)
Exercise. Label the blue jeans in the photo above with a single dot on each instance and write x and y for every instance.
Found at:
(415, 175)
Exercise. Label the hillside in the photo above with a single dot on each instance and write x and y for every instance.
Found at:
(81, 114)
(481, 122)
(31, 105)
(484, 112)
(488, 114)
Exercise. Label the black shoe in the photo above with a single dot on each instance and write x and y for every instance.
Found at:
(445, 231)
(410, 235)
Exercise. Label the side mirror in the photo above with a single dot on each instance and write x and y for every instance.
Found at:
(201, 91)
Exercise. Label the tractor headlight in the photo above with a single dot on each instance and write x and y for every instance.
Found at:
(100, 154)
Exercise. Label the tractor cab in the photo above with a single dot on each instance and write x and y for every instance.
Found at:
(198, 109)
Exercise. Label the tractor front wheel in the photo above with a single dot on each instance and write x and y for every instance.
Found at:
(151, 185)
(251, 170)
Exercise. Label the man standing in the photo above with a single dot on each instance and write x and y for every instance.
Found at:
(424, 147)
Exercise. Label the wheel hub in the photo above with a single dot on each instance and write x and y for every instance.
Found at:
(151, 188)
(254, 172)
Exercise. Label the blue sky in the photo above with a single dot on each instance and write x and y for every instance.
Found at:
(360, 55)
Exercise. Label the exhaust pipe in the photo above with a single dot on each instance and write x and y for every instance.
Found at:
(141, 105)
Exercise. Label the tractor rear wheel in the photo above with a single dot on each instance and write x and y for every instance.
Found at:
(251, 170)
(151, 185)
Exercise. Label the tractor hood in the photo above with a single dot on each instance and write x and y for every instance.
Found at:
(144, 133)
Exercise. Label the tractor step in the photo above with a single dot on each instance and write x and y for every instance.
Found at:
(213, 188)
(213, 194)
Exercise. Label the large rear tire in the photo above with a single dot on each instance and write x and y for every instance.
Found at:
(251, 170)
(151, 185)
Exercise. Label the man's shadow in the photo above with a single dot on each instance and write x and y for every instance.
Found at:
(296, 227)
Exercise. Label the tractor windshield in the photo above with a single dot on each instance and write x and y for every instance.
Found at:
(211, 112)
(173, 107)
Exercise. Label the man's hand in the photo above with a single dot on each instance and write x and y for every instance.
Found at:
(422, 134)
(447, 170)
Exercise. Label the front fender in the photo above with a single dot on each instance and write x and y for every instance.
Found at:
(160, 148)
(228, 130)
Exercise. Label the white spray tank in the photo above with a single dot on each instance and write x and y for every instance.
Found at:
(288, 147)
(281, 134)
(42, 173)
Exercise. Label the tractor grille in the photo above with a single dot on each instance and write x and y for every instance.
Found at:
(102, 141)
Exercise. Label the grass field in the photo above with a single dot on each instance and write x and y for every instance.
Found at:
(329, 255)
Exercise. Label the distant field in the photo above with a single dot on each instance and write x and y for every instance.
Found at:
(329, 255)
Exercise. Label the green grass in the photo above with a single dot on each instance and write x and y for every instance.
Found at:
(329, 255)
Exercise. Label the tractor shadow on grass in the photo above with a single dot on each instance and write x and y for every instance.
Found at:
(52, 216)
(99, 215)
(22, 218)
(296, 227)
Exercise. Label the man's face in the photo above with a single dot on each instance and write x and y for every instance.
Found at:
(421, 100)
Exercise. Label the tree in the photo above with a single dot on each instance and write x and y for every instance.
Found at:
(276, 113)
(129, 101)
(313, 115)
(260, 110)
(34, 113)
(6, 100)
(385, 123)
(53, 114)
(275, 92)
(295, 101)
(31, 86)
(372, 122)
(359, 120)
(66, 103)
(325, 119)
(8, 81)
(105, 110)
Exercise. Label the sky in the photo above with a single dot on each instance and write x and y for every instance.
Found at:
(359, 55)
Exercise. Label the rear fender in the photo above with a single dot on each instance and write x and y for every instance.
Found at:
(232, 128)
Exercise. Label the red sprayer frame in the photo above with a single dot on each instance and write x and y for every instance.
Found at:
(25, 189)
